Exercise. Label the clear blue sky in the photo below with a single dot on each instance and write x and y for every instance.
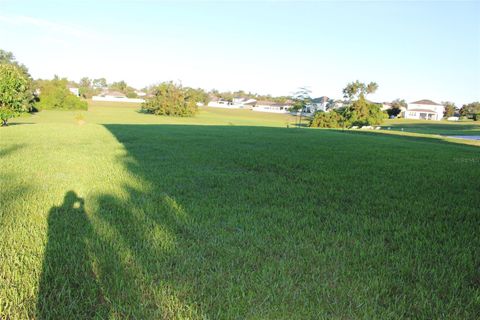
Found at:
(413, 50)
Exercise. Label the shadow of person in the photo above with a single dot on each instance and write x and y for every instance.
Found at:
(68, 288)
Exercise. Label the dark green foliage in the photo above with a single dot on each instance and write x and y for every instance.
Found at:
(449, 109)
(471, 110)
(198, 95)
(54, 94)
(331, 119)
(363, 113)
(16, 94)
(358, 113)
(397, 104)
(170, 99)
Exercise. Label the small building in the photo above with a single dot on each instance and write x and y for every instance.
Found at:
(115, 96)
(273, 107)
(424, 110)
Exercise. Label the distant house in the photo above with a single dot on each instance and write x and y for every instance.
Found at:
(219, 103)
(273, 107)
(424, 110)
(318, 104)
(236, 103)
(115, 96)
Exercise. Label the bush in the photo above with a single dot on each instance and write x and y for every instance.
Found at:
(54, 94)
(363, 113)
(170, 99)
(15, 92)
(331, 119)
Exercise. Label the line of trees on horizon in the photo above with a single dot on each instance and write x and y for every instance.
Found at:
(19, 93)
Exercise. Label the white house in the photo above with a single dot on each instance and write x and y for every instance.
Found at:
(115, 96)
(236, 103)
(219, 103)
(318, 104)
(273, 107)
(424, 110)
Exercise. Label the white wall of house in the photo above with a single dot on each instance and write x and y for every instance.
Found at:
(272, 108)
(116, 99)
(424, 111)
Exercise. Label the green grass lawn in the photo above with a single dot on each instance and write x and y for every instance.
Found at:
(444, 127)
(137, 216)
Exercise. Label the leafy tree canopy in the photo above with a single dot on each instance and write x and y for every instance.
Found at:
(170, 99)
(8, 58)
(16, 95)
(471, 110)
(449, 109)
(356, 89)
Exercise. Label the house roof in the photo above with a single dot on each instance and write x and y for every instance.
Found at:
(321, 99)
(422, 110)
(265, 102)
(426, 101)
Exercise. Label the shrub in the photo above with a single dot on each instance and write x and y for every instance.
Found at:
(331, 119)
(54, 94)
(363, 113)
(15, 92)
(170, 99)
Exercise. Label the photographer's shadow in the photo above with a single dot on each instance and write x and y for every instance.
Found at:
(68, 286)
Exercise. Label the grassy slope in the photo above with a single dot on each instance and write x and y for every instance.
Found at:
(232, 221)
(443, 127)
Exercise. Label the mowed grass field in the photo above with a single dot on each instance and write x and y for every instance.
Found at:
(232, 215)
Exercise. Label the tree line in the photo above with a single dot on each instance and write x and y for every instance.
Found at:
(20, 93)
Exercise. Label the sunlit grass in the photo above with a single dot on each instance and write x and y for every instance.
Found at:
(120, 219)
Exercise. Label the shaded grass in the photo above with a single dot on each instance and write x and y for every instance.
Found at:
(175, 221)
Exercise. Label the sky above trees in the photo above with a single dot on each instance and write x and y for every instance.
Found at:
(413, 50)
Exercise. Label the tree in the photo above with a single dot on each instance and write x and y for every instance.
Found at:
(16, 95)
(449, 109)
(363, 113)
(471, 110)
(355, 89)
(397, 106)
(198, 95)
(100, 83)
(54, 94)
(301, 99)
(170, 99)
(360, 111)
(85, 88)
(8, 58)
(119, 86)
